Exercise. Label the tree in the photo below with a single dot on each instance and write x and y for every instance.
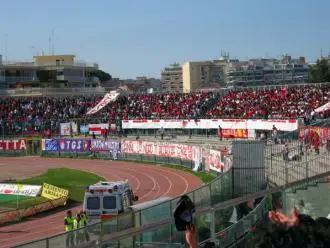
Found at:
(320, 72)
(102, 75)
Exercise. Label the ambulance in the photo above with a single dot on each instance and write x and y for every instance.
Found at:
(108, 199)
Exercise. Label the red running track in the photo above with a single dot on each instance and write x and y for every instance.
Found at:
(148, 182)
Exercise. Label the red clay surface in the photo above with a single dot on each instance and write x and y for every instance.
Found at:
(149, 182)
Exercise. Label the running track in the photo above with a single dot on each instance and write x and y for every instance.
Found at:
(148, 182)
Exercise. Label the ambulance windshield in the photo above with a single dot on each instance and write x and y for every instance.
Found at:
(93, 203)
(109, 202)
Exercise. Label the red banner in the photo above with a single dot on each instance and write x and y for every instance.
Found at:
(13, 145)
(322, 131)
(235, 133)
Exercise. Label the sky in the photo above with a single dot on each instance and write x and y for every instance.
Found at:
(130, 38)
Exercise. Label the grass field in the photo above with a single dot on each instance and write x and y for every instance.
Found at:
(73, 180)
(205, 177)
(10, 201)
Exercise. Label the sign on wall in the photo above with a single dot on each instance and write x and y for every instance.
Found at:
(281, 125)
(66, 145)
(184, 152)
(13, 145)
(105, 145)
(19, 189)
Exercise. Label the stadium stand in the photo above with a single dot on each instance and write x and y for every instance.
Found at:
(37, 112)
(270, 103)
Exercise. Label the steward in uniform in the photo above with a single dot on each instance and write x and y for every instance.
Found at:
(69, 224)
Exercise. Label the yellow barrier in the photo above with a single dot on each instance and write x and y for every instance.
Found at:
(15, 215)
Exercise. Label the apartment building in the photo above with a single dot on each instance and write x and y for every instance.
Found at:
(171, 78)
(232, 72)
(48, 71)
(202, 74)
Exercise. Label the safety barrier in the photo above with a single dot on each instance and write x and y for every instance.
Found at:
(156, 224)
(18, 214)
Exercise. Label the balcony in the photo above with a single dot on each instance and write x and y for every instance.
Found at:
(11, 79)
(79, 79)
(29, 63)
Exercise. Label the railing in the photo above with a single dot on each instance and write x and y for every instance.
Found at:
(28, 92)
(213, 202)
(98, 91)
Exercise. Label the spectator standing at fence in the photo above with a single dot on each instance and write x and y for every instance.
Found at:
(306, 136)
(220, 132)
(161, 132)
(106, 131)
(316, 142)
(285, 151)
(274, 134)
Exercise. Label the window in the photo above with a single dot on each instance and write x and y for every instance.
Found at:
(109, 202)
(93, 203)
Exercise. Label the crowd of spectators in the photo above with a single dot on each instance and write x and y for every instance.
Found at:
(23, 114)
(280, 231)
(270, 103)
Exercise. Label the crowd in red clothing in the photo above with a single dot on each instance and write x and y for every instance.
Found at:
(270, 103)
(23, 114)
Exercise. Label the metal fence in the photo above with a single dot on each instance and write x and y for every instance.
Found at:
(213, 201)
(101, 90)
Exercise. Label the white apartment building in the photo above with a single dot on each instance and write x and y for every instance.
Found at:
(228, 72)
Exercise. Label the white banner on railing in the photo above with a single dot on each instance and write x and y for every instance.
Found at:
(17, 189)
(197, 158)
(109, 97)
(214, 160)
(281, 125)
(65, 129)
(184, 152)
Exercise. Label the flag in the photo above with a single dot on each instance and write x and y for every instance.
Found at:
(19, 186)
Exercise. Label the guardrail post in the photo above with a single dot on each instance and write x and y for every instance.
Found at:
(212, 225)
(286, 172)
(271, 162)
(307, 165)
(47, 243)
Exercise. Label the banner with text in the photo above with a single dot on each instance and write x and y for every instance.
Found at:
(66, 145)
(243, 124)
(12, 145)
(99, 145)
(235, 133)
(20, 189)
(52, 192)
(184, 152)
